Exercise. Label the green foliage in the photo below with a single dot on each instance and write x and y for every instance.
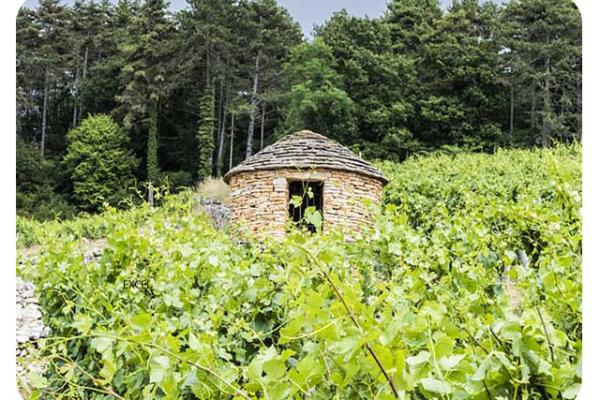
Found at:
(424, 289)
(99, 164)
(543, 67)
(37, 181)
(31, 232)
(380, 82)
(316, 100)
(464, 93)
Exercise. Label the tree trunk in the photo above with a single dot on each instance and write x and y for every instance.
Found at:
(76, 90)
(231, 135)
(262, 126)
(253, 108)
(221, 146)
(512, 104)
(207, 61)
(83, 76)
(150, 194)
(152, 153)
(547, 106)
(532, 121)
(44, 114)
(220, 120)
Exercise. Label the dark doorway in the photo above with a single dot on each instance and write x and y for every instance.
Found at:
(311, 193)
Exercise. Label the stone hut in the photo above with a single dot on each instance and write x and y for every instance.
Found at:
(342, 185)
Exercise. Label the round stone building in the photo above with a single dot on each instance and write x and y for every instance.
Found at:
(342, 185)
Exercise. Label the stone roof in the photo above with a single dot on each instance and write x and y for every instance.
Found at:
(307, 150)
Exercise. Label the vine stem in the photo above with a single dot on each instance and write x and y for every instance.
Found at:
(351, 315)
(550, 347)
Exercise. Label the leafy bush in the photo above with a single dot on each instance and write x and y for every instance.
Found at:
(422, 296)
(101, 167)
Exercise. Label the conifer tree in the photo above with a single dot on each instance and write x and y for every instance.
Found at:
(144, 78)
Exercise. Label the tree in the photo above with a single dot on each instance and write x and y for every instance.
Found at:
(99, 164)
(29, 74)
(46, 57)
(316, 100)
(412, 24)
(379, 81)
(464, 91)
(543, 53)
(206, 67)
(145, 79)
(91, 29)
(270, 32)
(37, 181)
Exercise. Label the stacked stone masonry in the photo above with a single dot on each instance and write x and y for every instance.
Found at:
(260, 198)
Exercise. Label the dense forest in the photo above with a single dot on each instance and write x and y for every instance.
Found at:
(116, 100)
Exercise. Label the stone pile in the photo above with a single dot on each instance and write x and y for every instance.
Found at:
(218, 211)
(29, 317)
(30, 328)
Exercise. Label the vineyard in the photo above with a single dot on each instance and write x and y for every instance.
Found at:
(468, 286)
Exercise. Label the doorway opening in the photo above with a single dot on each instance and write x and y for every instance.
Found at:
(305, 194)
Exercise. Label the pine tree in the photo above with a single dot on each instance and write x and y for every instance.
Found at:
(412, 24)
(144, 77)
(51, 57)
(464, 92)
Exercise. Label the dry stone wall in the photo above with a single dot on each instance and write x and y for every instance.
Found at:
(259, 199)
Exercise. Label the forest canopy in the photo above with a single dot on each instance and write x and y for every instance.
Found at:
(190, 94)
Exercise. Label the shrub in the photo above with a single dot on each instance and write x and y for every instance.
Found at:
(99, 163)
(214, 189)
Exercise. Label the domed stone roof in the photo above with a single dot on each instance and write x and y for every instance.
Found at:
(307, 150)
